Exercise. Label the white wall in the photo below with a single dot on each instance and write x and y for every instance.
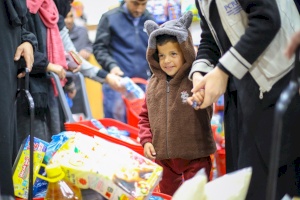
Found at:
(93, 9)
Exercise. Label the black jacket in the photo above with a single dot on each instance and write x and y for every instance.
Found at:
(119, 43)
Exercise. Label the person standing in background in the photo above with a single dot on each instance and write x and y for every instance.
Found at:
(120, 48)
(15, 43)
(79, 36)
(241, 54)
(79, 15)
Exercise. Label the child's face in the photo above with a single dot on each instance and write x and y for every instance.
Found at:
(170, 57)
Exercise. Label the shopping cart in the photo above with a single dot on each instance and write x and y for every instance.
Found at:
(133, 107)
(162, 195)
(87, 127)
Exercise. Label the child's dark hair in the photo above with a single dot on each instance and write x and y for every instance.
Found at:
(163, 39)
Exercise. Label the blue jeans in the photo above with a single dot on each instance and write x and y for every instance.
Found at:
(113, 104)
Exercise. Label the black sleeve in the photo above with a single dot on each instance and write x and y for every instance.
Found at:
(40, 63)
(101, 45)
(263, 24)
(102, 73)
(29, 37)
(208, 48)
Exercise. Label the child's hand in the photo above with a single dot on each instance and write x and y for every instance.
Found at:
(196, 100)
(149, 151)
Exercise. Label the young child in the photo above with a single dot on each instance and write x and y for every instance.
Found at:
(172, 133)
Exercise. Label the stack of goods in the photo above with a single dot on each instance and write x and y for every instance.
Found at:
(115, 171)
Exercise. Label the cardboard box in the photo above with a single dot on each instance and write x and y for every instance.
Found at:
(22, 162)
(115, 171)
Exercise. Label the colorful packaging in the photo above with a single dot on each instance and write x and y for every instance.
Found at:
(21, 165)
(115, 171)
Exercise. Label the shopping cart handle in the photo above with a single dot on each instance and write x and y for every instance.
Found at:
(62, 99)
(281, 106)
(83, 94)
(138, 80)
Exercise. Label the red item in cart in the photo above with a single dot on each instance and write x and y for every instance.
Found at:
(87, 128)
(220, 157)
(133, 108)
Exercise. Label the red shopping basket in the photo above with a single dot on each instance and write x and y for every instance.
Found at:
(220, 154)
(133, 107)
(164, 196)
(86, 127)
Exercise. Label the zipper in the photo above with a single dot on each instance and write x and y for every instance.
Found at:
(261, 93)
(168, 91)
(213, 32)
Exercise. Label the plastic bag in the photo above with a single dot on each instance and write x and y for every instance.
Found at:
(192, 189)
(232, 186)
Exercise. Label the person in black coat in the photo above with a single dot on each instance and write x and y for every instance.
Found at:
(15, 43)
(241, 56)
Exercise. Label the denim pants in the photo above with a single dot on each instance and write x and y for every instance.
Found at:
(113, 104)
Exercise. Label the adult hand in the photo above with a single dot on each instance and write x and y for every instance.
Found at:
(214, 84)
(25, 50)
(292, 46)
(149, 151)
(114, 82)
(117, 71)
(58, 69)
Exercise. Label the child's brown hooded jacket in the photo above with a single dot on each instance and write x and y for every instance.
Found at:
(174, 128)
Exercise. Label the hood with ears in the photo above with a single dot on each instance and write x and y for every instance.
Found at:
(178, 28)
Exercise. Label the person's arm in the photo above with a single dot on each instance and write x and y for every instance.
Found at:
(29, 37)
(87, 69)
(208, 51)
(26, 50)
(144, 134)
(40, 63)
(263, 24)
(101, 47)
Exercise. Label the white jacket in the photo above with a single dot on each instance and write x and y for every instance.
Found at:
(271, 64)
